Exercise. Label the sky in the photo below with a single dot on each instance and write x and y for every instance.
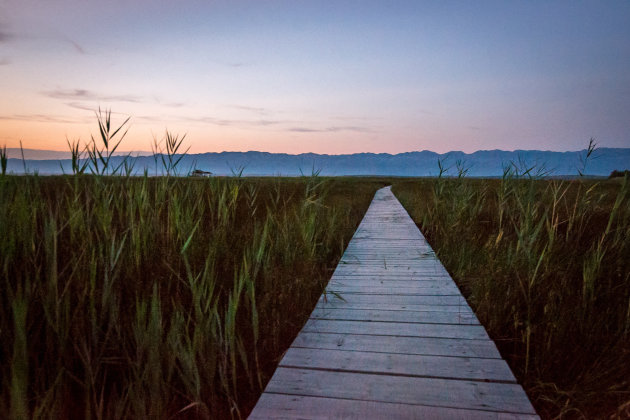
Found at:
(318, 76)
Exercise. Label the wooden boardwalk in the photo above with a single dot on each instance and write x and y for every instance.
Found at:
(392, 338)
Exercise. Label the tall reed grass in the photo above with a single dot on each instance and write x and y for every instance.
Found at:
(151, 297)
(545, 265)
(158, 297)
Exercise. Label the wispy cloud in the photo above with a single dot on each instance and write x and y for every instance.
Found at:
(148, 118)
(42, 118)
(279, 124)
(160, 101)
(77, 47)
(81, 106)
(84, 99)
(234, 123)
(83, 94)
(6, 37)
(330, 129)
(232, 64)
(353, 118)
(252, 109)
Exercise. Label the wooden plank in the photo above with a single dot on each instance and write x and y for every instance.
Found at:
(455, 300)
(389, 262)
(445, 290)
(382, 264)
(406, 345)
(373, 248)
(380, 235)
(443, 283)
(424, 317)
(281, 406)
(389, 267)
(382, 267)
(441, 276)
(390, 271)
(332, 302)
(392, 246)
(399, 364)
(509, 398)
(475, 332)
(370, 252)
(389, 280)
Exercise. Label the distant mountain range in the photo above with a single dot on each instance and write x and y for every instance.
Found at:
(38, 154)
(484, 163)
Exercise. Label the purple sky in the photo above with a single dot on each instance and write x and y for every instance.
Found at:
(314, 76)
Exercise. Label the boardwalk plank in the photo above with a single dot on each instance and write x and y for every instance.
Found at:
(444, 283)
(281, 406)
(399, 364)
(393, 277)
(333, 302)
(454, 301)
(443, 290)
(424, 317)
(392, 271)
(403, 345)
(508, 398)
(473, 332)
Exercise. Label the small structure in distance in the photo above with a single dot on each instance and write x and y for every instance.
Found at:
(200, 173)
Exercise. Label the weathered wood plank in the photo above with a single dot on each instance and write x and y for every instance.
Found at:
(424, 317)
(381, 267)
(388, 280)
(384, 266)
(475, 332)
(399, 364)
(393, 277)
(281, 406)
(509, 398)
(445, 290)
(454, 300)
(331, 302)
(404, 345)
(442, 284)
(390, 272)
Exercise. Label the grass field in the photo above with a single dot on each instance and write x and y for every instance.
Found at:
(153, 297)
(161, 296)
(171, 297)
(545, 264)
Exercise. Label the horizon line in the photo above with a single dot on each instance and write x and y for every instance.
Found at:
(145, 153)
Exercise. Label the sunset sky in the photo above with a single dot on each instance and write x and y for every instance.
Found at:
(318, 76)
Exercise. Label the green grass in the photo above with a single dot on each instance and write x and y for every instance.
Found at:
(156, 297)
(545, 264)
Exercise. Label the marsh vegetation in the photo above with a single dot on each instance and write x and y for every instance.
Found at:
(170, 297)
(136, 297)
(545, 266)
